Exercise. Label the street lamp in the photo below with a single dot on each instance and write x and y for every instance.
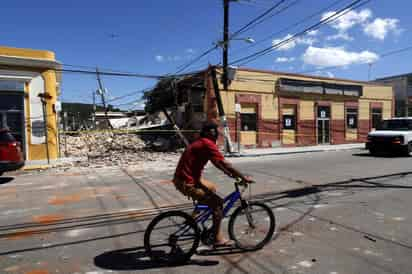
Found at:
(249, 40)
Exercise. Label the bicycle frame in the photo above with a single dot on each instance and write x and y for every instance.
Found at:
(228, 203)
(206, 212)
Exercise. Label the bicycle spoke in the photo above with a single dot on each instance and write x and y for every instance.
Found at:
(172, 237)
(252, 226)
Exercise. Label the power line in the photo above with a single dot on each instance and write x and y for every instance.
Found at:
(118, 74)
(289, 27)
(396, 51)
(185, 66)
(276, 13)
(329, 19)
(247, 27)
(254, 4)
(127, 95)
(255, 20)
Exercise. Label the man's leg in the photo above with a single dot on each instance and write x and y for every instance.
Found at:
(216, 204)
(213, 201)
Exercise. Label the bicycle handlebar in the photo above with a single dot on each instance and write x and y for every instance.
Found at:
(241, 182)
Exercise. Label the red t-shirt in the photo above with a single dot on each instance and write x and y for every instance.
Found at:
(194, 159)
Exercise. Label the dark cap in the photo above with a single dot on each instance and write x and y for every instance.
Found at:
(209, 129)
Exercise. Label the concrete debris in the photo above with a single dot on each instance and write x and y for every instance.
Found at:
(111, 149)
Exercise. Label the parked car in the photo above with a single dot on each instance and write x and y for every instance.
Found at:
(392, 135)
(11, 156)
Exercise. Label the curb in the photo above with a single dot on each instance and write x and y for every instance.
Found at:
(289, 152)
(36, 167)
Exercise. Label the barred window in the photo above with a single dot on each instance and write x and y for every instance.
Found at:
(376, 117)
(352, 118)
(289, 121)
(248, 121)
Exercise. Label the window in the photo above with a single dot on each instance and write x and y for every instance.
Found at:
(317, 87)
(398, 125)
(248, 121)
(376, 117)
(289, 121)
(8, 85)
(352, 118)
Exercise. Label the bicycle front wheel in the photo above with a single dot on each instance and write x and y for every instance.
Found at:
(172, 237)
(252, 227)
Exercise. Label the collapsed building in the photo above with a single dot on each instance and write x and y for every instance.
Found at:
(271, 109)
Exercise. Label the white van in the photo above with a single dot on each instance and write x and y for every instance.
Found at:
(392, 135)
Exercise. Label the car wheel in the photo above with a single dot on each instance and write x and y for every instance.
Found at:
(407, 150)
(373, 151)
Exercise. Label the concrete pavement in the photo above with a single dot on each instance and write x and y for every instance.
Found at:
(92, 221)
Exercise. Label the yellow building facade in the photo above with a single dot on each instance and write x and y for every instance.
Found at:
(29, 90)
(284, 109)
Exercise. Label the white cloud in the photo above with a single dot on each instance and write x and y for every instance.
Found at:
(293, 42)
(349, 19)
(313, 32)
(380, 27)
(330, 74)
(284, 59)
(174, 58)
(336, 56)
(159, 58)
(140, 104)
(190, 51)
(340, 35)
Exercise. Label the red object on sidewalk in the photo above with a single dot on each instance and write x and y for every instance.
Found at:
(11, 155)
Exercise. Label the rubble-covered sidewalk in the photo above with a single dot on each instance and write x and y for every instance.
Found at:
(105, 148)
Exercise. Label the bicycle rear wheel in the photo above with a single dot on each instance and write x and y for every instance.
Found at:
(252, 227)
(172, 237)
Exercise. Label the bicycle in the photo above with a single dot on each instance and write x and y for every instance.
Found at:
(183, 234)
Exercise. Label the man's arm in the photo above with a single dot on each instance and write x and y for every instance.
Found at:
(229, 170)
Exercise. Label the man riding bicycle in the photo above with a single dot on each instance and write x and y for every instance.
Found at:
(188, 180)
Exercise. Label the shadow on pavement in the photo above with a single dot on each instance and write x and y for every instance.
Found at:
(5, 180)
(137, 259)
(221, 251)
(380, 155)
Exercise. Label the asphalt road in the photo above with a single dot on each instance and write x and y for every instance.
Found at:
(337, 212)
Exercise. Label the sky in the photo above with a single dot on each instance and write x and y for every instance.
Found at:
(157, 37)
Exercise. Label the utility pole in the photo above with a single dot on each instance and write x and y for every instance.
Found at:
(102, 92)
(406, 98)
(223, 120)
(369, 71)
(94, 111)
(225, 44)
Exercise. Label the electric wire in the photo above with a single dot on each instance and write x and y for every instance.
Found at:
(327, 20)
(297, 23)
(193, 61)
(250, 25)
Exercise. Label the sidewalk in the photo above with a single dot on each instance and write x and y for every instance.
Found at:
(44, 164)
(256, 152)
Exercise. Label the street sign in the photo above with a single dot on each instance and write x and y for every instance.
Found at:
(238, 108)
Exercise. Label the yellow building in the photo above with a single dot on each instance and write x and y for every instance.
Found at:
(29, 87)
(285, 109)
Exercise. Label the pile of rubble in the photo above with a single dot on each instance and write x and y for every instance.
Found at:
(111, 149)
